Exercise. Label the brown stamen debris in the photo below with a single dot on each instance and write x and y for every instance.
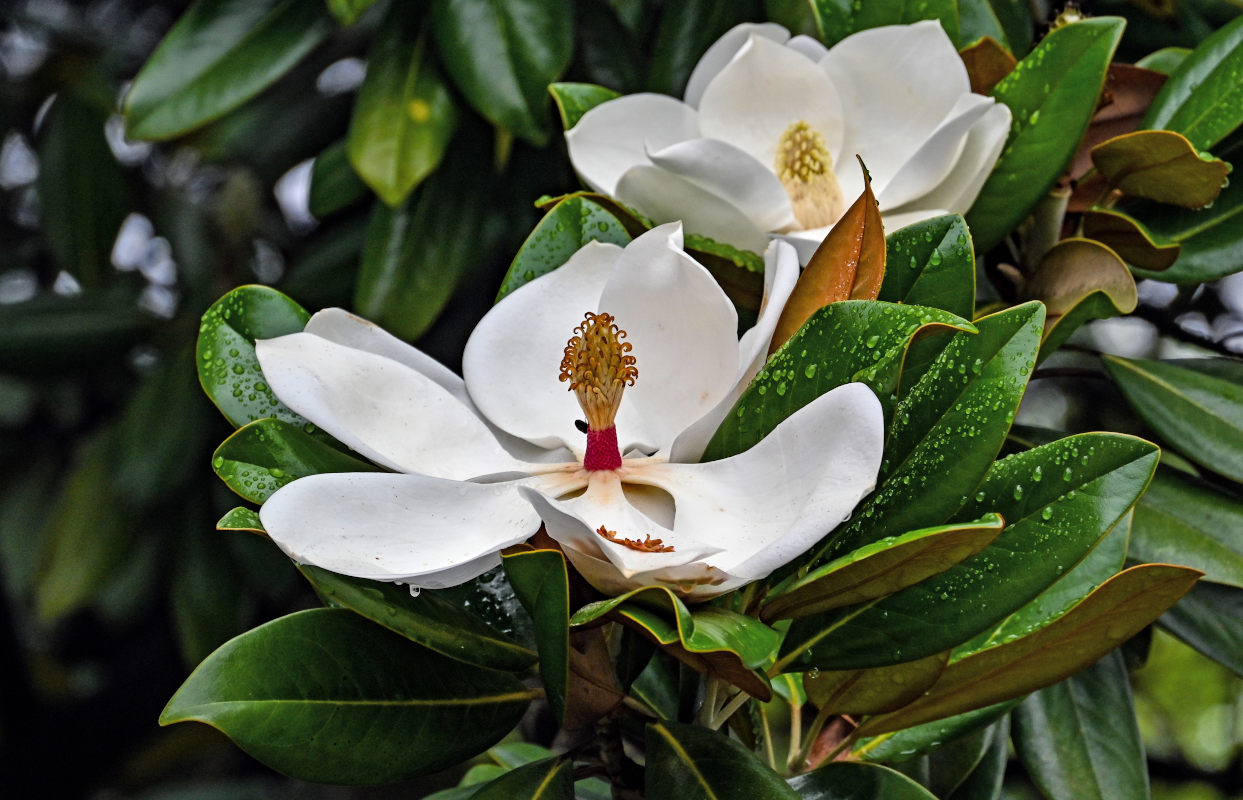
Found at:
(648, 545)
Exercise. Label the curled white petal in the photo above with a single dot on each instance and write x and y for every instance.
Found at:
(614, 136)
(667, 197)
(723, 51)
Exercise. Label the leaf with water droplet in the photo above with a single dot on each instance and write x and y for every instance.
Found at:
(279, 451)
(872, 691)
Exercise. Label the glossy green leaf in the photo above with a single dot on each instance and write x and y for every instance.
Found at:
(1203, 99)
(1194, 404)
(1076, 583)
(1079, 739)
(502, 56)
(228, 369)
(541, 581)
(853, 340)
(908, 743)
(881, 568)
(840, 18)
(1058, 501)
(209, 601)
(977, 19)
(325, 695)
(428, 619)
(953, 763)
(1210, 240)
(83, 196)
(847, 780)
(88, 536)
(347, 12)
(1165, 60)
(1210, 619)
(711, 639)
(1129, 238)
(872, 691)
(1183, 520)
(688, 762)
(550, 779)
(404, 116)
(241, 519)
(948, 426)
(685, 31)
(575, 99)
(985, 781)
(1052, 94)
(568, 226)
(220, 54)
(417, 255)
(931, 263)
(334, 183)
(265, 455)
(1110, 615)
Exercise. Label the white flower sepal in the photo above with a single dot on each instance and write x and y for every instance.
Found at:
(764, 141)
(479, 463)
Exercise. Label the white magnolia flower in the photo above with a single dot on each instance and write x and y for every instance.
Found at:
(479, 463)
(765, 140)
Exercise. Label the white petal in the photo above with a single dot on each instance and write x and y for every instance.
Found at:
(808, 46)
(732, 174)
(684, 332)
(897, 220)
(613, 137)
(771, 503)
(936, 157)
(984, 145)
(410, 528)
(384, 410)
(723, 51)
(574, 524)
(805, 242)
(666, 197)
(342, 327)
(513, 358)
(762, 92)
(780, 273)
(896, 83)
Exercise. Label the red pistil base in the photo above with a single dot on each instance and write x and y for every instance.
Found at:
(602, 452)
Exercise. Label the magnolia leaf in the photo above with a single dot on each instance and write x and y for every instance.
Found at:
(849, 780)
(575, 99)
(241, 519)
(1194, 404)
(1128, 92)
(931, 263)
(1165, 60)
(228, 369)
(1203, 99)
(404, 117)
(1128, 237)
(848, 265)
(334, 183)
(1184, 520)
(347, 12)
(863, 341)
(873, 691)
(837, 19)
(428, 619)
(908, 743)
(220, 54)
(689, 762)
(1078, 280)
(1209, 618)
(1079, 739)
(1161, 166)
(325, 695)
(711, 640)
(1052, 95)
(1210, 239)
(881, 568)
(1110, 615)
(569, 225)
(265, 455)
(1058, 500)
(550, 779)
(947, 429)
(987, 63)
(541, 582)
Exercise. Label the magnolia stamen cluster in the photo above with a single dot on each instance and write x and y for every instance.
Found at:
(598, 366)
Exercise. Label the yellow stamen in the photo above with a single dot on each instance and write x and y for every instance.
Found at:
(598, 366)
(805, 168)
(648, 545)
